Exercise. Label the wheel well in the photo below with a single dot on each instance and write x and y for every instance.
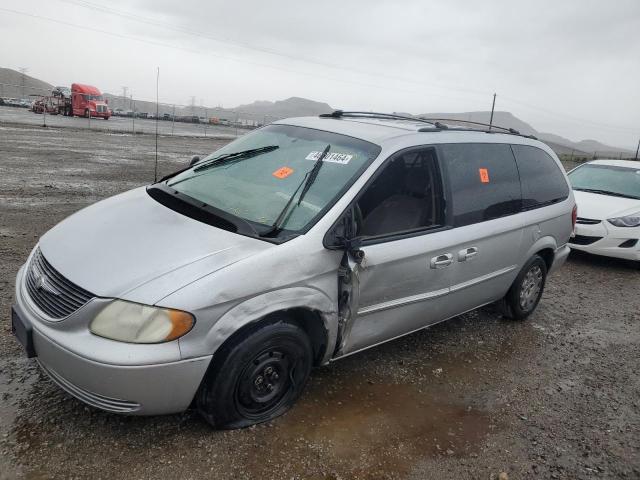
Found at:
(309, 320)
(547, 255)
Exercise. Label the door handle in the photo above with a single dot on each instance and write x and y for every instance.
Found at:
(467, 254)
(442, 261)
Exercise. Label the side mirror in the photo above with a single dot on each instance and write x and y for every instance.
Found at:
(106, 100)
(343, 236)
(195, 159)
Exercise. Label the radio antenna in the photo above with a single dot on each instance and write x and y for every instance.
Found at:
(155, 171)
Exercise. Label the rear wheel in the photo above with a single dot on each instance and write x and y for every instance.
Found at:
(257, 376)
(525, 292)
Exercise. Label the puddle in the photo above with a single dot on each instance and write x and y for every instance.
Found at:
(383, 429)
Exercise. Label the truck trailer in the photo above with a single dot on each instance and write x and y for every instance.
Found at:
(81, 100)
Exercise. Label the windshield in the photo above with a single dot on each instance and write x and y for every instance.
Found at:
(607, 178)
(256, 188)
(97, 98)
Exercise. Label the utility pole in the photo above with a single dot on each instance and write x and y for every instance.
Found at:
(173, 119)
(493, 106)
(193, 105)
(23, 72)
(636, 157)
(124, 96)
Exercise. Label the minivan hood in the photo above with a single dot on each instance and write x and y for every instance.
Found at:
(601, 207)
(132, 247)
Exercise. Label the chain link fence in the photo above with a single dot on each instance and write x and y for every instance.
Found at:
(40, 106)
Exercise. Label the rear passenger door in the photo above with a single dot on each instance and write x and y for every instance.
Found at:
(485, 199)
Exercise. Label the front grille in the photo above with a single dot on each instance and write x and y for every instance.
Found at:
(51, 292)
(583, 240)
(588, 221)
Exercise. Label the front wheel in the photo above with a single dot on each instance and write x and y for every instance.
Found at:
(87, 113)
(257, 377)
(525, 292)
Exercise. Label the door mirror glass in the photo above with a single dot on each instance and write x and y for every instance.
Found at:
(195, 159)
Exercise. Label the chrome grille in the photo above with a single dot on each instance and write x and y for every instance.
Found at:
(51, 292)
(587, 221)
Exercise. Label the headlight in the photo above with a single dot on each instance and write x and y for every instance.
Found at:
(632, 220)
(136, 323)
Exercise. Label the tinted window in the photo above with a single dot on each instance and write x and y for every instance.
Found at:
(484, 181)
(542, 180)
(405, 195)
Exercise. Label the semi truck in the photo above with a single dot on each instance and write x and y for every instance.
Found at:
(81, 100)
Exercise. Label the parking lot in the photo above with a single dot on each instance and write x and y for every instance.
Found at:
(118, 124)
(556, 396)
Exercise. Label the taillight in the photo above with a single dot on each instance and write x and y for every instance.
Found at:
(574, 217)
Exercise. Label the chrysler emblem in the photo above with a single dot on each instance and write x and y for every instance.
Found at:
(42, 282)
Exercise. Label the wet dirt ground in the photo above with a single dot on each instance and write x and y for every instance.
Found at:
(556, 396)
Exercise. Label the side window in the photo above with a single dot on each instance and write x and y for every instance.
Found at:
(406, 195)
(484, 181)
(542, 180)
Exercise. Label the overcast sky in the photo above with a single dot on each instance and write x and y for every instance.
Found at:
(569, 67)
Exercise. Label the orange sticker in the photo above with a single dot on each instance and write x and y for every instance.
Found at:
(283, 172)
(484, 175)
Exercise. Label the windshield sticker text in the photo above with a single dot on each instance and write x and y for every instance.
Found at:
(484, 175)
(341, 158)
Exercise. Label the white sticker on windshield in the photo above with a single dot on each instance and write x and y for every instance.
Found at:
(332, 157)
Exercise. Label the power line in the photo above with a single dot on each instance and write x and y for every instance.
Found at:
(199, 34)
(569, 118)
(309, 74)
(315, 75)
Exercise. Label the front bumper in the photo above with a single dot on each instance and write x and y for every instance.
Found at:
(139, 390)
(113, 376)
(605, 239)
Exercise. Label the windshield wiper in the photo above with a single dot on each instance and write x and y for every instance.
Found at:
(305, 184)
(230, 157)
(223, 158)
(606, 192)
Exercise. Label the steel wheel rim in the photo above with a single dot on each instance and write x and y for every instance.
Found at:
(531, 287)
(265, 382)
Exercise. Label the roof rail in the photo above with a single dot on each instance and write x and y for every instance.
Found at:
(513, 131)
(436, 123)
(389, 116)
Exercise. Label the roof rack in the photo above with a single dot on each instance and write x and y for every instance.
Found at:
(436, 123)
(390, 116)
(512, 131)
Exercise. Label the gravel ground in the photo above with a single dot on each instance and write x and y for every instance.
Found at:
(556, 396)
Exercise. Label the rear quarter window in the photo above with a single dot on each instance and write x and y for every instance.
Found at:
(542, 180)
(484, 181)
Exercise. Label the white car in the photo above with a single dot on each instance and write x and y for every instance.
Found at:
(608, 196)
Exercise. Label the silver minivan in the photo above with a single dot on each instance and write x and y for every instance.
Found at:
(307, 240)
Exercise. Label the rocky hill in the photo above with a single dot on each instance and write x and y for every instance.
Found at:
(14, 85)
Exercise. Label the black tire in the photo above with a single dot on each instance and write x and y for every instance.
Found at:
(525, 292)
(257, 376)
(87, 113)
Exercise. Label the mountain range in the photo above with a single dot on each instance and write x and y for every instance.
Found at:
(15, 84)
